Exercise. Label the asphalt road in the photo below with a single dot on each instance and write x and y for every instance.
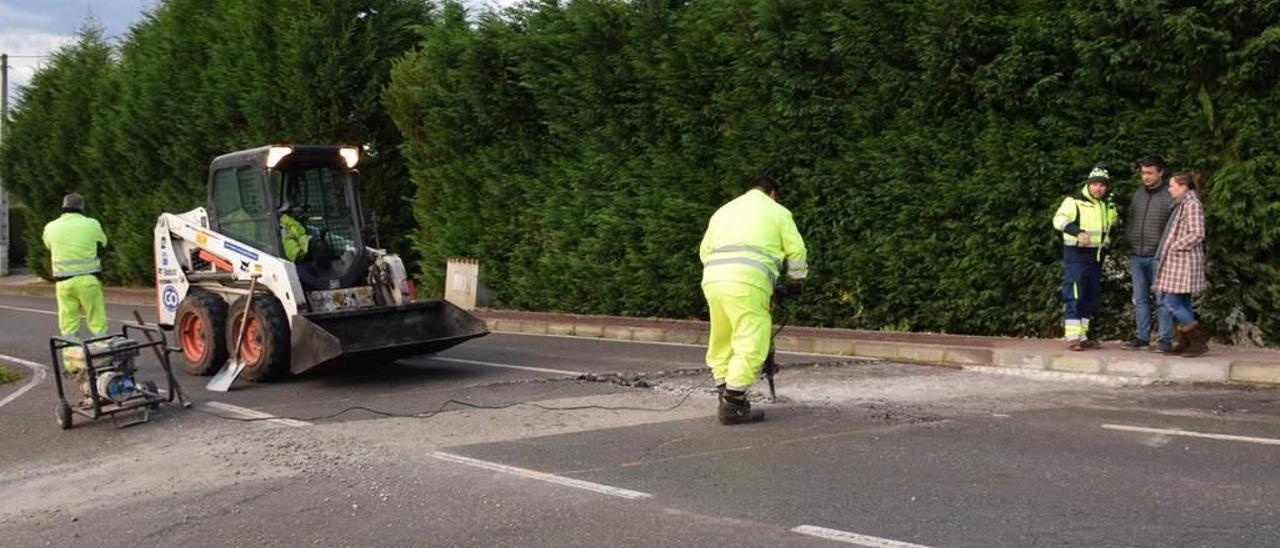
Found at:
(575, 451)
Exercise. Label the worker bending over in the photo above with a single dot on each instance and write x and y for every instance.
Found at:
(742, 256)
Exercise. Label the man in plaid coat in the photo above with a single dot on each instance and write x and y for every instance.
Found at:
(1181, 270)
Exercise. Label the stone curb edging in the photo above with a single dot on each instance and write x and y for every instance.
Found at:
(1206, 369)
(113, 295)
(1146, 366)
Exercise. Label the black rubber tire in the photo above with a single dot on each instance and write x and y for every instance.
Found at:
(272, 336)
(213, 313)
(63, 412)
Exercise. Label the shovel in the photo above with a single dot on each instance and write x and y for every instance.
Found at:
(227, 375)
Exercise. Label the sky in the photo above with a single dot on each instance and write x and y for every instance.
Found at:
(31, 29)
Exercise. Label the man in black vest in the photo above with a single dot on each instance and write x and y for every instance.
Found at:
(1148, 212)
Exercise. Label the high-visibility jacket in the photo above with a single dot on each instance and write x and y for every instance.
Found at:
(1081, 212)
(747, 240)
(294, 238)
(73, 241)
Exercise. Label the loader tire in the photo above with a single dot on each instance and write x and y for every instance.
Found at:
(265, 349)
(200, 323)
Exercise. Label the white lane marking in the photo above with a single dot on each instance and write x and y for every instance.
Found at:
(542, 476)
(37, 376)
(509, 366)
(852, 538)
(661, 343)
(254, 414)
(46, 312)
(1190, 434)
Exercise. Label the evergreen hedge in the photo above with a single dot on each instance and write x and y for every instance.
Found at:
(134, 126)
(578, 149)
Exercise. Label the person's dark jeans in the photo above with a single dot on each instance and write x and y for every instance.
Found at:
(1143, 272)
(1179, 306)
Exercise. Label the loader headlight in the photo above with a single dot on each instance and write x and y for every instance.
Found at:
(351, 155)
(275, 154)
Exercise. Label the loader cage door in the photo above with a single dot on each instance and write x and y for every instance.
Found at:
(320, 196)
(242, 208)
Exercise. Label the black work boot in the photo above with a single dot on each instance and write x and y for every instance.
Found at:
(735, 409)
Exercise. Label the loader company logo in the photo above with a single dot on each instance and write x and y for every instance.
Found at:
(169, 297)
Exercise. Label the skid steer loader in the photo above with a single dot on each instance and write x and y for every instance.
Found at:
(323, 294)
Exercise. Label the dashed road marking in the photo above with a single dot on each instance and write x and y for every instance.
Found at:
(1190, 434)
(852, 538)
(247, 413)
(37, 376)
(509, 366)
(542, 476)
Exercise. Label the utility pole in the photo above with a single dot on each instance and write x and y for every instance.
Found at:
(4, 194)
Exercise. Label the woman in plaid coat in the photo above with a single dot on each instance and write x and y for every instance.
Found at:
(1181, 260)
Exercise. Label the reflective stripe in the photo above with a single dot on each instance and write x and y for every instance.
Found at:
(74, 273)
(1071, 329)
(77, 262)
(1075, 291)
(76, 267)
(732, 248)
(743, 260)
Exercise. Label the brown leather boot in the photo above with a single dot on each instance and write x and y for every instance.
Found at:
(1197, 341)
(735, 409)
(1179, 340)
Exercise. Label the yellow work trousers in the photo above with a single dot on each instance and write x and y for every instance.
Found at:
(740, 325)
(81, 294)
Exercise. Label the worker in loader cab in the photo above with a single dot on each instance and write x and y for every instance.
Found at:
(743, 253)
(293, 235)
(74, 243)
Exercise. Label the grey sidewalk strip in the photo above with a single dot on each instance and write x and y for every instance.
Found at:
(1221, 365)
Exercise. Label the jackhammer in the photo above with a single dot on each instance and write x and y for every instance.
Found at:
(782, 295)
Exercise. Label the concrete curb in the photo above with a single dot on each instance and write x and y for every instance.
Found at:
(1010, 354)
(1256, 367)
(114, 295)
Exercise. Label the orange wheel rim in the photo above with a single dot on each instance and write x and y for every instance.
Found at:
(251, 346)
(191, 332)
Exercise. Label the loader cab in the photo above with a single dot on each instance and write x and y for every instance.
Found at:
(250, 191)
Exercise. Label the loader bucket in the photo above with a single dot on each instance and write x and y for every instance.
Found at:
(380, 333)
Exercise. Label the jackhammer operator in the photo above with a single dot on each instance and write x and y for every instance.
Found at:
(742, 255)
(74, 242)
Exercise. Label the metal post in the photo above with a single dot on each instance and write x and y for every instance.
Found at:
(4, 195)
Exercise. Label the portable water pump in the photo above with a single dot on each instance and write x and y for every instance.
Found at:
(109, 365)
(115, 379)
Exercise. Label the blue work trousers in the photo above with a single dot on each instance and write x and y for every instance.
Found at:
(1081, 286)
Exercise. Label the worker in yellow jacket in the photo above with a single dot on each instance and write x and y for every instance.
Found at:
(74, 241)
(1085, 220)
(743, 253)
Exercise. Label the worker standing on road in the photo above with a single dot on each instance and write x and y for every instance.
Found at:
(742, 255)
(1085, 220)
(74, 243)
